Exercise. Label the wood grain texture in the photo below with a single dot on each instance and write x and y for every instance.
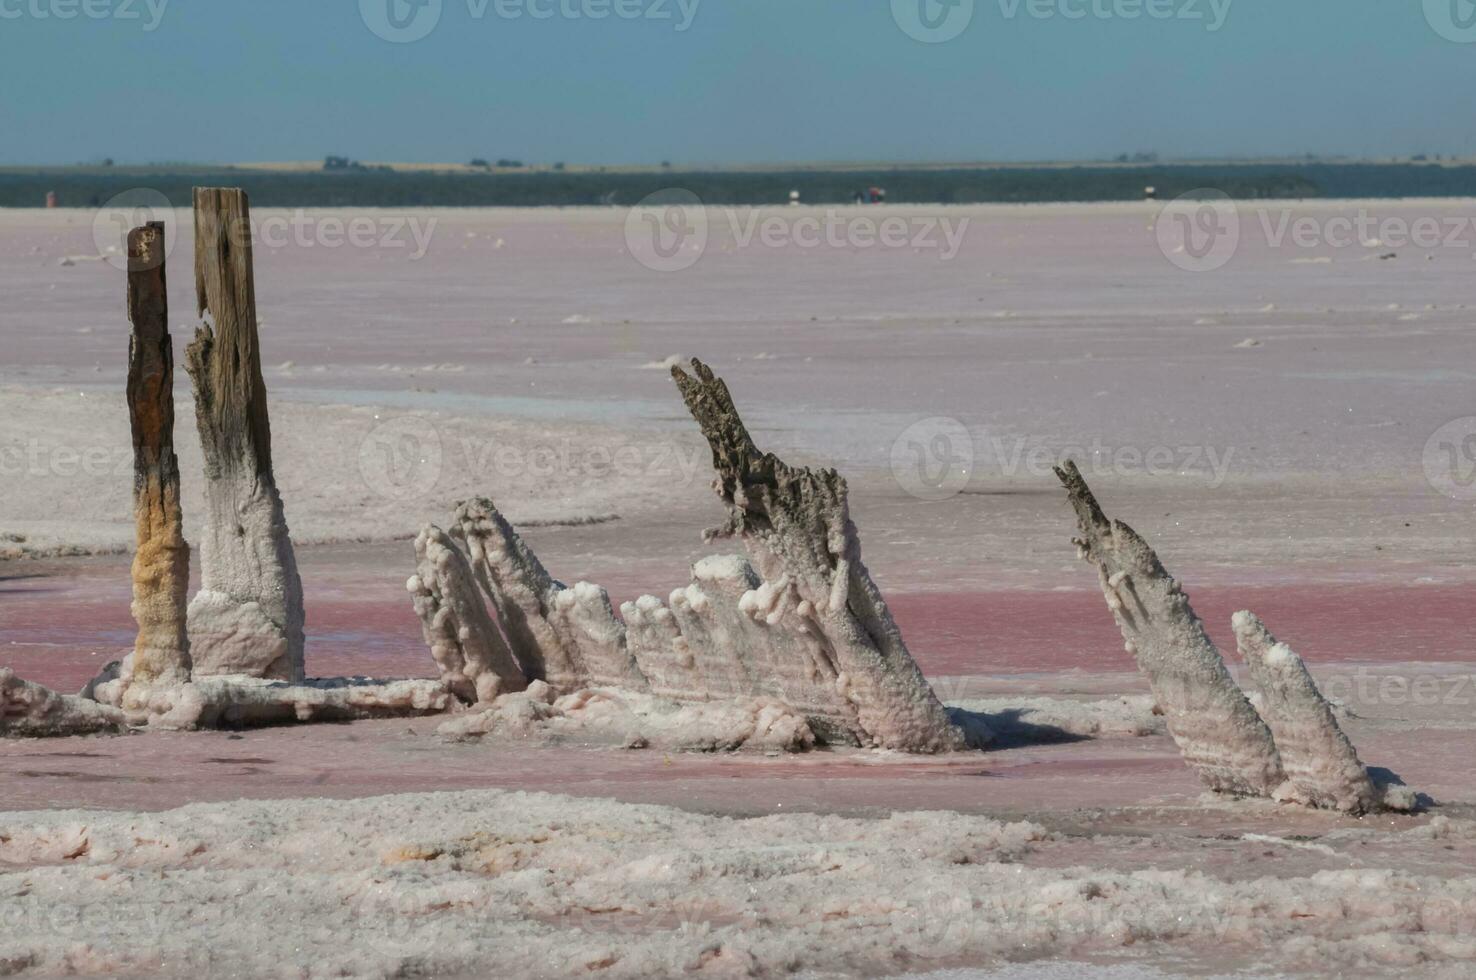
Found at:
(161, 564)
(248, 616)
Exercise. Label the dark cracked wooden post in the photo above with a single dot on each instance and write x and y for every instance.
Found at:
(161, 566)
(248, 616)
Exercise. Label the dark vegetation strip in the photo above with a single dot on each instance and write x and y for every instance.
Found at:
(93, 187)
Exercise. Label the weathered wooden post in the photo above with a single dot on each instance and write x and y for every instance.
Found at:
(161, 565)
(247, 617)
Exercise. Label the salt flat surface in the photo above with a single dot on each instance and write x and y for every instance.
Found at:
(460, 884)
(520, 358)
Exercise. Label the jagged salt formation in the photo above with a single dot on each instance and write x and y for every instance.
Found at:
(567, 637)
(796, 526)
(466, 644)
(1215, 727)
(31, 711)
(811, 635)
(722, 638)
(1322, 767)
(1291, 750)
(247, 617)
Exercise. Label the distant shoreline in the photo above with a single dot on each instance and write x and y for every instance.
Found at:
(379, 185)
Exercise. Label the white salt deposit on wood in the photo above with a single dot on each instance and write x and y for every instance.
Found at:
(247, 617)
(633, 720)
(466, 644)
(1217, 730)
(1322, 767)
(523, 595)
(726, 637)
(1288, 747)
(811, 632)
(224, 701)
(796, 526)
(31, 711)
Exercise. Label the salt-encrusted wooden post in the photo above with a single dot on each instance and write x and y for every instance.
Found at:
(247, 617)
(1218, 732)
(161, 565)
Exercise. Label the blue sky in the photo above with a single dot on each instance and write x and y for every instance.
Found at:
(746, 81)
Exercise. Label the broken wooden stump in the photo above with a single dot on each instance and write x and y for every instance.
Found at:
(1215, 727)
(161, 564)
(796, 525)
(247, 617)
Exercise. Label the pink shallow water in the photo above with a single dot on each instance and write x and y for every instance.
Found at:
(372, 758)
(60, 622)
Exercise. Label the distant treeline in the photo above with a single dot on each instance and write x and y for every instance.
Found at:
(383, 188)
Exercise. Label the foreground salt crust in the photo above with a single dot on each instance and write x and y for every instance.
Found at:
(519, 884)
